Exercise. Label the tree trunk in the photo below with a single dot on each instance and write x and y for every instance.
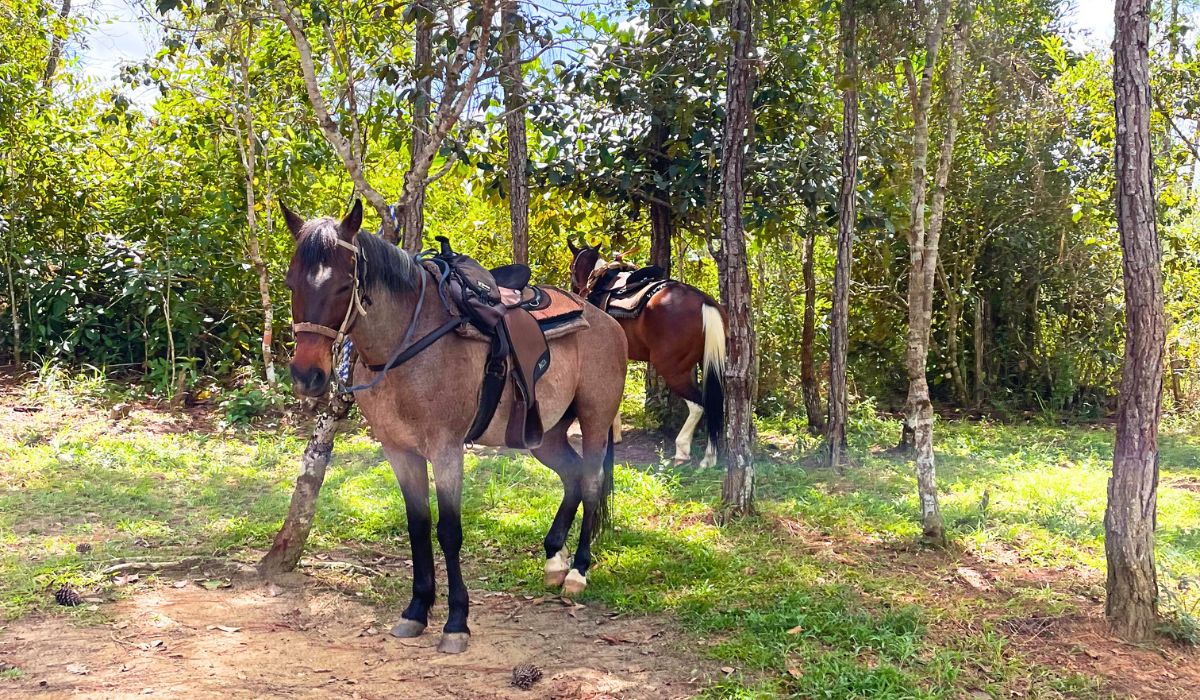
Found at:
(1129, 521)
(413, 214)
(953, 311)
(923, 250)
(663, 408)
(289, 542)
(839, 314)
(56, 44)
(808, 375)
(980, 368)
(738, 491)
(514, 121)
(249, 154)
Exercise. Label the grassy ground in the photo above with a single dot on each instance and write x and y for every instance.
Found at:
(823, 594)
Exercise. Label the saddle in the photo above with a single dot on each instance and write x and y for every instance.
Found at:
(516, 319)
(622, 290)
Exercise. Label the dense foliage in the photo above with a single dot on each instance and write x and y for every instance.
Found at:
(124, 215)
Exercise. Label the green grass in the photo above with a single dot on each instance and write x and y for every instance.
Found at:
(821, 595)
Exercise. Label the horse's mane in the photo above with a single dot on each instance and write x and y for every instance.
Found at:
(379, 263)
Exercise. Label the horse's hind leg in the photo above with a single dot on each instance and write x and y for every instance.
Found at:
(447, 475)
(414, 484)
(556, 452)
(683, 384)
(590, 477)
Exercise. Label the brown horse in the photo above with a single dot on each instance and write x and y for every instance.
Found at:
(344, 282)
(680, 328)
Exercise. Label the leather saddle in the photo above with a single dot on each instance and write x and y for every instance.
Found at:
(514, 318)
(622, 291)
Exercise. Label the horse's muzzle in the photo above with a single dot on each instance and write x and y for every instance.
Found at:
(312, 381)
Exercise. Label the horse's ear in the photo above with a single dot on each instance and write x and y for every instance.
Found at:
(294, 221)
(571, 246)
(353, 221)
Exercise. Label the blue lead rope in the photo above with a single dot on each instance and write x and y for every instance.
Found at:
(343, 370)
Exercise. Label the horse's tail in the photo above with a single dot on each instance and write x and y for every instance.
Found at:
(712, 365)
(604, 509)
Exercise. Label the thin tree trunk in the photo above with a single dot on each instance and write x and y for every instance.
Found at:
(738, 491)
(980, 368)
(808, 375)
(923, 260)
(56, 44)
(1129, 520)
(12, 300)
(952, 318)
(329, 127)
(839, 314)
(514, 121)
(413, 221)
(248, 148)
(288, 545)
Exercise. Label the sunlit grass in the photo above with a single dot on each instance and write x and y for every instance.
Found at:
(796, 599)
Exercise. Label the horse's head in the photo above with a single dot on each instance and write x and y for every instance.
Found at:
(323, 277)
(584, 262)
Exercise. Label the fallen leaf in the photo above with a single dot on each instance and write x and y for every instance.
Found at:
(727, 670)
(126, 580)
(274, 591)
(213, 584)
(796, 630)
(611, 640)
(795, 673)
(78, 669)
(181, 583)
(229, 630)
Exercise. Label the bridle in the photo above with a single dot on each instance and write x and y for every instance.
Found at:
(353, 310)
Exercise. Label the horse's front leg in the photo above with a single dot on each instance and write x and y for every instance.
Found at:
(414, 484)
(447, 475)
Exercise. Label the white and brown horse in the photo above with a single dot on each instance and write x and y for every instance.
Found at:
(350, 283)
(681, 329)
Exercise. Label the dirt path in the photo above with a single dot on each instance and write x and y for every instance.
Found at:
(305, 642)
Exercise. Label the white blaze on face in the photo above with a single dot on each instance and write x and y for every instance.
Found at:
(320, 276)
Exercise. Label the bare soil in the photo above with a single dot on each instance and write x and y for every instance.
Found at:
(305, 641)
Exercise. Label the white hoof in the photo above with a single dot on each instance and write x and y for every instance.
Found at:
(574, 584)
(556, 569)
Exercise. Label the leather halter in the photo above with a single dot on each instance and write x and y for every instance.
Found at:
(353, 310)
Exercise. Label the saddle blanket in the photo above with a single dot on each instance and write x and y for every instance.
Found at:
(632, 305)
(558, 313)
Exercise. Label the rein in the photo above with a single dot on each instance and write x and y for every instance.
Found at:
(406, 352)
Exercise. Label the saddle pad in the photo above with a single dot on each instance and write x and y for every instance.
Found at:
(631, 306)
(558, 313)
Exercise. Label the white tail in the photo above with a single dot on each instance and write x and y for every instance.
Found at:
(714, 340)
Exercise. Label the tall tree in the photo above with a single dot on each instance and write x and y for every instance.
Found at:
(56, 44)
(839, 314)
(514, 121)
(414, 214)
(923, 247)
(738, 491)
(1129, 520)
(808, 375)
(247, 149)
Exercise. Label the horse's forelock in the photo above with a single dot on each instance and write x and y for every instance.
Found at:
(318, 241)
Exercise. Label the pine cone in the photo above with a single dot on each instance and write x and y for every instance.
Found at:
(525, 675)
(67, 596)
